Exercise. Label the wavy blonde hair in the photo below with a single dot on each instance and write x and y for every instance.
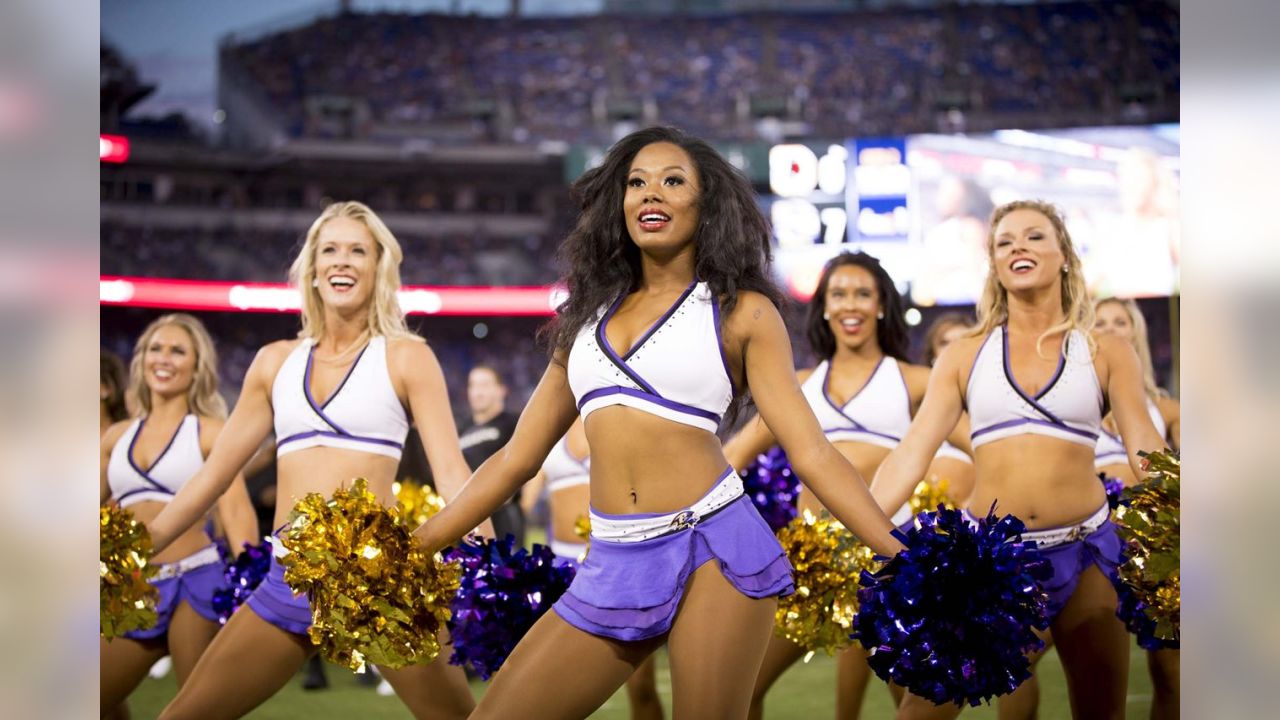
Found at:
(993, 307)
(1141, 343)
(385, 316)
(203, 398)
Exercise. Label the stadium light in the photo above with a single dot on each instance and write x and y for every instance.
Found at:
(222, 296)
(113, 148)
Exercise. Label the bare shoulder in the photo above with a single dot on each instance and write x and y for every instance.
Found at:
(412, 349)
(112, 434)
(269, 359)
(1169, 407)
(751, 308)
(804, 374)
(1111, 349)
(957, 359)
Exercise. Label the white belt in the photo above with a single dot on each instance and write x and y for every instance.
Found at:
(198, 559)
(567, 549)
(1052, 537)
(636, 529)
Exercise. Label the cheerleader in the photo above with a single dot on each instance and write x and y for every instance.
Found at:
(340, 398)
(863, 394)
(566, 477)
(1035, 383)
(173, 385)
(670, 318)
(1123, 319)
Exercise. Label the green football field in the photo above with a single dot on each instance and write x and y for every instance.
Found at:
(806, 691)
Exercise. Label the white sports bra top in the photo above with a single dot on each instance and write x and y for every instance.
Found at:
(362, 413)
(1110, 448)
(676, 370)
(1069, 407)
(878, 414)
(171, 469)
(564, 470)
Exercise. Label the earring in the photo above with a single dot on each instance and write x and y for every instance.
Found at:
(826, 316)
(1064, 269)
(880, 315)
(315, 282)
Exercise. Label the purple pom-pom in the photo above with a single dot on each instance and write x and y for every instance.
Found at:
(242, 576)
(772, 487)
(951, 616)
(501, 595)
(1114, 488)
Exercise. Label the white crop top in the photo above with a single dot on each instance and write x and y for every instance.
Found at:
(878, 414)
(362, 413)
(563, 469)
(676, 370)
(1110, 448)
(1069, 407)
(171, 469)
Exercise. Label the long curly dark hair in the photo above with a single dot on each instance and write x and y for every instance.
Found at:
(732, 251)
(891, 330)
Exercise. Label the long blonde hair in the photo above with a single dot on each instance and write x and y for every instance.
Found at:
(203, 398)
(385, 316)
(993, 307)
(1140, 342)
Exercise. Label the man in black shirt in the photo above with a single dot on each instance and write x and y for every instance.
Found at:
(491, 427)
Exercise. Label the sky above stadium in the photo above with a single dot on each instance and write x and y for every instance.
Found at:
(173, 43)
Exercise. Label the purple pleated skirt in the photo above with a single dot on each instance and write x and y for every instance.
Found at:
(194, 587)
(631, 591)
(275, 602)
(1103, 547)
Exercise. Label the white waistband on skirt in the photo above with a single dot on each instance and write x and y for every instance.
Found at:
(199, 558)
(629, 529)
(566, 549)
(1052, 537)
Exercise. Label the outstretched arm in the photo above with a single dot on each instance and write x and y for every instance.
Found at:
(1128, 401)
(243, 432)
(545, 419)
(766, 353)
(939, 412)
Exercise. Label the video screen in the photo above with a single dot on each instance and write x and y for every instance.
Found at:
(1117, 186)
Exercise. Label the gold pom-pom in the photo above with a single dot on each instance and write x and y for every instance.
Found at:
(128, 601)
(376, 597)
(929, 495)
(415, 503)
(828, 561)
(1148, 520)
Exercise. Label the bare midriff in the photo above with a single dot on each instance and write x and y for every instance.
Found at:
(642, 463)
(193, 540)
(1043, 481)
(323, 470)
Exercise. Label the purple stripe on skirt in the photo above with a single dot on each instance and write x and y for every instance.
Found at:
(275, 602)
(194, 587)
(630, 591)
